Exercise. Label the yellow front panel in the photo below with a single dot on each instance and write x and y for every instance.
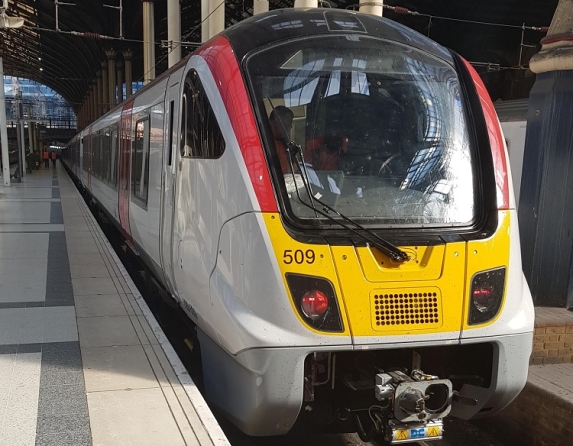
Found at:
(426, 264)
(357, 291)
(305, 259)
(433, 286)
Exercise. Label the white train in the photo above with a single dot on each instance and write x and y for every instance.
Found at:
(327, 196)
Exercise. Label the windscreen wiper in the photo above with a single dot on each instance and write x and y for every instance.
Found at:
(294, 150)
(371, 237)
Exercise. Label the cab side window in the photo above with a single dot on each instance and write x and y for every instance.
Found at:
(201, 136)
(140, 162)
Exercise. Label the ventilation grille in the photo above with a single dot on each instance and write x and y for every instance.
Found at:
(406, 309)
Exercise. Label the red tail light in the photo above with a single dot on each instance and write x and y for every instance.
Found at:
(315, 300)
(314, 304)
(487, 291)
(483, 299)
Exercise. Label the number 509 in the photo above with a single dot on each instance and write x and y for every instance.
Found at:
(298, 256)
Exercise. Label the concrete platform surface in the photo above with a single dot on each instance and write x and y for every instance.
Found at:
(82, 359)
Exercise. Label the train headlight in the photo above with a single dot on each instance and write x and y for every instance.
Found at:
(315, 301)
(486, 295)
(314, 304)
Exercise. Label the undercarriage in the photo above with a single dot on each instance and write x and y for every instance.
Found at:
(403, 394)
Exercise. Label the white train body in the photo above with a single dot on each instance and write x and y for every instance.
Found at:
(196, 189)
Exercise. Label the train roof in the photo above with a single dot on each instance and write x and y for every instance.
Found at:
(286, 24)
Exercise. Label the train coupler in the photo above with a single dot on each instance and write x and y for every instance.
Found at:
(417, 404)
(397, 433)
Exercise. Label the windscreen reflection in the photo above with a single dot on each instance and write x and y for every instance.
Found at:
(380, 126)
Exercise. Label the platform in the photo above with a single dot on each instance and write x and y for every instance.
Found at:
(82, 359)
(541, 415)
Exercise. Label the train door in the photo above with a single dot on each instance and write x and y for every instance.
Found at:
(124, 171)
(80, 165)
(87, 159)
(172, 107)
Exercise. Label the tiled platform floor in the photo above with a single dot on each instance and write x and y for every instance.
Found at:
(79, 361)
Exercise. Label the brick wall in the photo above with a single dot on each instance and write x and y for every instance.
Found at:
(535, 418)
(552, 345)
(553, 338)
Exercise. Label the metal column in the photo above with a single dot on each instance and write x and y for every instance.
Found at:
(119, 81)
(204, 20)
(127, 56)
(373, 7)
(546, 196)
(4, 130)
(104, 88)
(112, 95)
(174, 31)
(260, 6)
(216, 17)
(148, 41)
(99, 90)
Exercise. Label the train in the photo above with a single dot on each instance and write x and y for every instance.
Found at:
(327, 196)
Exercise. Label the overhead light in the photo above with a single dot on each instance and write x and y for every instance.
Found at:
(41, 69)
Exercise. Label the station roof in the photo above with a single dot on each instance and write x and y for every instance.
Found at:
(66, 54)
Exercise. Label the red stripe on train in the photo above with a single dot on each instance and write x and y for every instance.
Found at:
(223, 64)
(495, 140)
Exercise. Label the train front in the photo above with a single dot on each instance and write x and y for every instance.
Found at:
(396, 233)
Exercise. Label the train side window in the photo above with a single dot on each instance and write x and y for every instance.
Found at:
(106, 155)
(200, 132)
(114, 156)
(140, 162)
(170, 136)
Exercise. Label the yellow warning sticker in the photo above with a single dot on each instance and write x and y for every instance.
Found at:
(433, 432)
(401, 435)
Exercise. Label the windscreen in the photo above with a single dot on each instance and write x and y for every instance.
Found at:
(378, 126)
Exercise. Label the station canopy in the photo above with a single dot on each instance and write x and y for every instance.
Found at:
(63, 43)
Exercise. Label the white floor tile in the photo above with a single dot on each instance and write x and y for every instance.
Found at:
(23, 246)
(26, 212)
(18, 422)
(122, 418)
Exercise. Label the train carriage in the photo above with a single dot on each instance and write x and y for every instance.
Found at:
(327, 196)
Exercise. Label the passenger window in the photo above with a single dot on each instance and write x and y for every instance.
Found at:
(114, 156)
(140, 162)
(201, 136)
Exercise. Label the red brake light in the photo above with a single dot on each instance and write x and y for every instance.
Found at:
(314, 304)
(483, 298)
(487, 291)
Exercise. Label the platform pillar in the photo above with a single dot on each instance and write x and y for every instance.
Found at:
(148, 41)
(546, 197)
(216, 17)
(260, 6)
(174, 31)
(127, 56)
(110, 54)
(94, 108)
(3, 130)
(99, 93)
(104, 88)
(90, 102)
(204, 20)
(119, 81)
(371, 7)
